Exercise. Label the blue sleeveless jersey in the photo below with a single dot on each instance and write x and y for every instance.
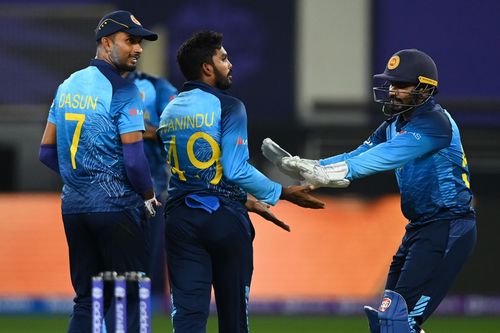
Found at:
(429, 161)
(156, 93)
(205, 135)
(91, 109)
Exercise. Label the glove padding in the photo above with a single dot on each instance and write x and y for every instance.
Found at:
(274, 153)
(332, 175)
(150, 206)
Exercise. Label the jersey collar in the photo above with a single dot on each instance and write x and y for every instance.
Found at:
(190, 85)
(103, 65)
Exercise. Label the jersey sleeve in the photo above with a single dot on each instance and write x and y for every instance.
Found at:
(235, 156)
(375, 138)
(128, 108)
(425, 134)
(52, 111)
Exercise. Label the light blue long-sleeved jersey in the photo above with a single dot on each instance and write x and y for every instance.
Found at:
(156, 93)
(205, 135)
(92, 108)
(428, 158)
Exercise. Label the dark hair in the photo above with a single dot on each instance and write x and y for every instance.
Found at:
(196, 51)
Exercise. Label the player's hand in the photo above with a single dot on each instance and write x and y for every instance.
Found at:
(299, 195)
(255, 206)
(151, 205)
(332, 175)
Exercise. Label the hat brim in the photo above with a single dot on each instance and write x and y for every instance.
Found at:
(141, 32)
(134, 31)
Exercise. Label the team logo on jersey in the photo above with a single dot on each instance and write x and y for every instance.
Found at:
(135, 112)
(393, 62)
(241, 141)
(386, 303)
(136, 21)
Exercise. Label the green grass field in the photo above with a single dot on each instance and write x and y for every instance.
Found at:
(266, 324)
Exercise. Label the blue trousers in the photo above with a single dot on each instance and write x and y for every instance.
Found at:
(97, 242)
(158, 265)
(427, 263)
(205, 250)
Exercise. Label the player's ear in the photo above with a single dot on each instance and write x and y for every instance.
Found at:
(207, 69)
(106, 43)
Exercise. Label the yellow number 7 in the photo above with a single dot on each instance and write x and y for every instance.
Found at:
(79, 118)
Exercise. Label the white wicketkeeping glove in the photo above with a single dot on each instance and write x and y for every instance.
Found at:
(332, 175)
(274, 153)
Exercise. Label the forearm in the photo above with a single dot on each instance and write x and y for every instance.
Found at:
(48, 156)
(254, 182)
(137, 168)
(344, 156)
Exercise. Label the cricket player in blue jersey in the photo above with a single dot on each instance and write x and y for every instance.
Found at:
(421, 142)
(156, 93)
(208, 232)
(94, 140)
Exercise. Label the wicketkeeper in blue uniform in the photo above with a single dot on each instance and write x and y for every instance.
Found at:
(421, 142)
(156, 93)
(208, 232)
(93, 139)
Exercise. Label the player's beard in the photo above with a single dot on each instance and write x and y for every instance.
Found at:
(222, 82)
(395, 105)
(122, 64)
(125, 68)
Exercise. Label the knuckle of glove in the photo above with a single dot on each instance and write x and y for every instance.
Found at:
(289, 162)
(313, 178)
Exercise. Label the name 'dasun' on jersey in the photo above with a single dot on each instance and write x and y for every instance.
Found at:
(77, 101)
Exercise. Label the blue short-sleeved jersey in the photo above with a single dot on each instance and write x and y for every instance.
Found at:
(428, 158)
(156, 93)
(92, 108)
(205, 135)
